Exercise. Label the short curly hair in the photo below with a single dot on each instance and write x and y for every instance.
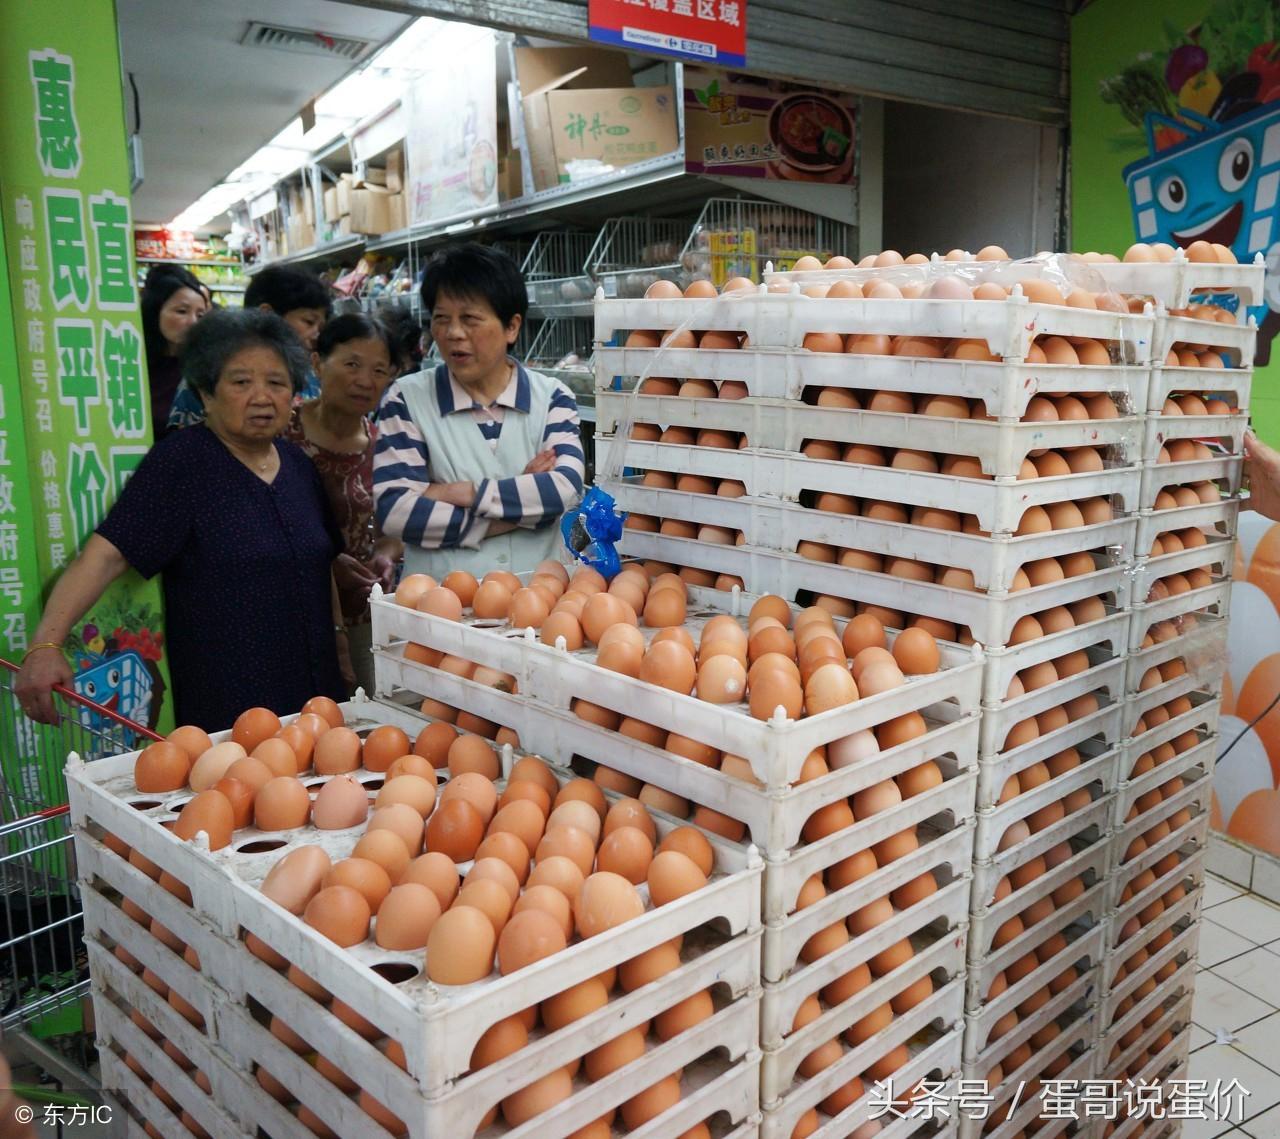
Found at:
(214, 341)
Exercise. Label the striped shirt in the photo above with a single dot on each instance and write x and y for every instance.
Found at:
(402, 462)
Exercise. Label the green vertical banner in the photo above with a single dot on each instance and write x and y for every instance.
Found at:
(74, 382)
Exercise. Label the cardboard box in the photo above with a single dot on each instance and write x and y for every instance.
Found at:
(346, 183)
(374, 176)
(308, 206)
(510, 177)
(331, 211)
(344, 228)
(300, 234)
(395, 170)
(618, 126)
(540, 71)
(371, 210)
(397, 209)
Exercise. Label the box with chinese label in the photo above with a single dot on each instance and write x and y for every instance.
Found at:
(616, 126)
(599, 81)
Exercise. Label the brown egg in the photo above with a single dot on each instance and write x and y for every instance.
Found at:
(254, 726)
(337, 751)
(412, 587)
(437, 872)
(163, 766)
(343, 802)
(212, 765)
(282, 804)
(455, 829)
(627, 851)
(460, 947)
(558, 872)
(383, 746)
(672, 875)
(473, 754)
(194, 741)
(368, 878)
(562, 624)
(522, 818)
(413, 790)
(668, 664)
(340, 913)
(606, 900)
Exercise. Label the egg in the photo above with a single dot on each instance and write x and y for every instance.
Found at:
(212, 764)
(282, 804)
(772, 690)
(162, 766)
(460, 947)
(830, 686)
(342, 802)
(607, 900)
(340, 913)
(522, 818)
(562, 624)
(362, 875)
(672, 875)
(412, 790)
(435, 871)
(337, 751)
(296, 877)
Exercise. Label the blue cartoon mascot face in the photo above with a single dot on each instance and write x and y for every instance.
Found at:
(1210, 109)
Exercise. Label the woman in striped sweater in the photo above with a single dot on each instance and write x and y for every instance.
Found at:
(478, 458)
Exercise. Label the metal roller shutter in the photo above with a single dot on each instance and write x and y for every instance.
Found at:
(996, 57)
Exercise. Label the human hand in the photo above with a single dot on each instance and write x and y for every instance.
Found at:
(384, 568)
(541, 463)
(352, 576)
(459, 494)
(1262, 466)
(40, 673)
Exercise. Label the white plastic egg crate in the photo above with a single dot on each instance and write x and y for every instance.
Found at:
(1006, 387)
(1125, 1029)
(932, 1034)
(1224, 434)
(1183, 922)
(781, 320)
(1225, 471)
(780, 1075)
(1142, 1057)
(1085, 835)
(776, 425)
(1215, 558)
(1190, 766)
(1230, 384)
(1184, 609)
(1075, 1044)
(1090, 783)
(1178, 861)
(1217, 519)
(989, 618)
(550, 679)
(1174, 283)
(1201, 648)
(772, 524)
(437, 1026)
(1085, 947)
(1238, 342)
(1104, 681)
(936, 917)
(998, 506)
(1074, 1005)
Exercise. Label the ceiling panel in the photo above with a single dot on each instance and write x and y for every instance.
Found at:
(207, 102)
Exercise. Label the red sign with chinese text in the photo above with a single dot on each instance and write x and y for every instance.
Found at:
(706, 31)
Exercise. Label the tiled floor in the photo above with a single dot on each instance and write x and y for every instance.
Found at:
(1236, 1011)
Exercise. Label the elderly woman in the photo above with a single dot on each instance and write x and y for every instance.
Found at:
(476, 460)
(237, 522)
(354, 361)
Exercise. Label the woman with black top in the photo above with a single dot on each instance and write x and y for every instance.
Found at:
(172, 301)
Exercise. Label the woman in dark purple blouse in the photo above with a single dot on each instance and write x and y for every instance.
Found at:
(237, 522)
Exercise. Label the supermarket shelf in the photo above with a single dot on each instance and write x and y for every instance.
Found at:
(226, 288)
(627, 190)
(326, 249)
(187, 261)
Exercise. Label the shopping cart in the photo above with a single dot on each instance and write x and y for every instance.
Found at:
(44, 974)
